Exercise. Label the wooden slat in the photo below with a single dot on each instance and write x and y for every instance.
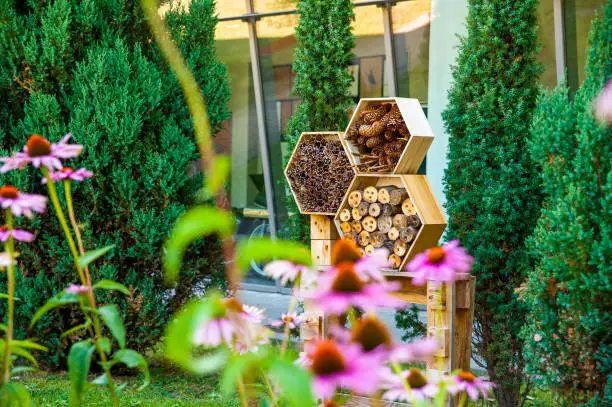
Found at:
(464, 321)
(322, 227)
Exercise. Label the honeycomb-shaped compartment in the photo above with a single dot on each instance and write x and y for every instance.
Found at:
(319, 173)
(398, 212)
(388, 135)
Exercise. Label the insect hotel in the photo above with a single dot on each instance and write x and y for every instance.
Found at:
(363, 185)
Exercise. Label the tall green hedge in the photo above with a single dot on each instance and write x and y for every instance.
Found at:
(568, 337)
(90, 67)
(492, 187)
(322, 82)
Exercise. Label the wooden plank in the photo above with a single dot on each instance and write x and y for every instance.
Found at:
(409, 292)
(321, 251)
(464, 322)
(438, 325)
(322, 227)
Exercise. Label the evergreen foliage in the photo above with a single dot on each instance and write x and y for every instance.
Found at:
(568, 338)
(322, 81)
(491, 185)
(91, 68)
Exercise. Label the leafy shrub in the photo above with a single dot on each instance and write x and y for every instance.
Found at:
(90, 68)
(568, 337)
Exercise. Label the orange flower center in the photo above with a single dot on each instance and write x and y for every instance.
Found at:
(327, 358)
(288, 318)
(330, 403)
(415, 379)
(347, 280)
(67, 169)
(4, 228)
(344, 250)
(9, 191)
(370, 333)
(38, 146)
(436, 255)
(233, 304)
(467, 376)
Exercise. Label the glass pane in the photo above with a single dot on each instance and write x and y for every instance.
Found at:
(547, 40)
(411, 22)
(247, 191)
(262, 6)
(368, 67)
(578, 17)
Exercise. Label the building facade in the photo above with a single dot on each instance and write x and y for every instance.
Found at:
(403, 48)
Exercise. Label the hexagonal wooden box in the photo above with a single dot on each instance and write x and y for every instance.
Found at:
(319, 173)
(388, 135)
(421, 203)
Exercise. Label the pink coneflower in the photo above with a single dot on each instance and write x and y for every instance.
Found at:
(371, 334)
(441, 264)
(418, 351)
(18, 234)
(340, 288)
(370, 267)
(603, 104)
(335, 366)
(77, 289)
(20, 203)
(420, 387)
(68, 173)
(467, 382)
(39, 151)
(344, 250)
(232, 324)
(286, 272)
(293, 320)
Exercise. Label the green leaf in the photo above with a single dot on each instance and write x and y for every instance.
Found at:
(180, 333)
(60, 299)
(111, 285)
(216, 180)
(112, 319)
(195, 223)
(105, 344)
(294, 382)
(22, 369)
(92, 255)
(27, 344)
(15, 395)
(24, 354)
(240, 366)
(101, 380)
(75, 329)
(134, 360)
(264, 249)
(5, 296)
(79, 361)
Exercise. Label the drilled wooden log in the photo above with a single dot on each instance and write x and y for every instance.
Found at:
(363, 238)
(374, 209)
(370, 194)
(369, 250)
(350, 236)
(345, 227)
(345, 215)
(400, 221)
(408, 234)
(415, 221)
(356, 226)
(377, 239)
(393, 233)
(369, 223)
(385, 223)
(383, 194)
(354, 198)
(397, 196)
(400, 248)
(389, 210)
(356, 214)
(395, 260)
(361, 251)
(408, 207)
(363, 208)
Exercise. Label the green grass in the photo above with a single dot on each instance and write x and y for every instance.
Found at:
(167, 389)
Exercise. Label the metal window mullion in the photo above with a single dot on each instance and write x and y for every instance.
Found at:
(560, 56)
(261, 116)
(389, 47)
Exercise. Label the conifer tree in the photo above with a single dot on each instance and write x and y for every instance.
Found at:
(492, 189)
(90, 67)
(568, 337)
(322, 81)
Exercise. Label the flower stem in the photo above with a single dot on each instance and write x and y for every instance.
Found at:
(10, 248)
(242, 392)
(268, 387)
(92, 303)
(463, 400)
(398, 370)
(77, 232)
(292, 305)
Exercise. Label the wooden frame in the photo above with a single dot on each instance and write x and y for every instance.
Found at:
(421, 135)
(303, 137)
(426, 205)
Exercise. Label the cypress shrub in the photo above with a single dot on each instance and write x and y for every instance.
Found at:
(322, 81)
(568, 338)
(492, 188)
(91, 68)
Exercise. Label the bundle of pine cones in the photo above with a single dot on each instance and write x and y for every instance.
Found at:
(319, 173)
(380, 136)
